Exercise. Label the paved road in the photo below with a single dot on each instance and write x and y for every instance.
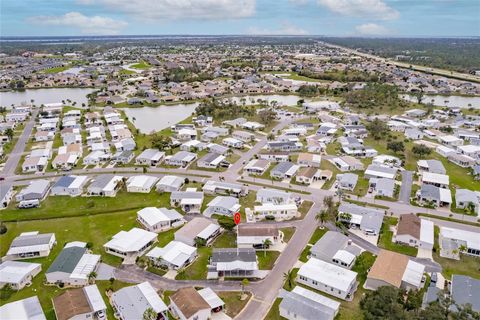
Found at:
(406, 187)
(17, 152)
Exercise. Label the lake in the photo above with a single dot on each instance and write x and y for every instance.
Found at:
(42, 96)
(447, 101)
(148, 119)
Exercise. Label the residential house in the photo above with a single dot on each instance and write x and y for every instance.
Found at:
(277, 211)
(414, 232)
(159, 219)
(309, 160)
(175, 255)
(335, 247)
(18, 274)
(130, 244)
(150, 157)
(212, 187)
(251, 236)
(29, 308)
(256, 166)
(233, 143)
(329, 278)
(222, 205)
(34, 164)
(233, 262)
(384, 187)
(181, 159)
(467, 199)
(30, 245)
(284, 170)
(82, 303)
(198, 230)
(430, 194)
(190, 201)
(367, 219)
(461, 160)
(275, 196)
(130, 303)
(433, 166)
(465, 290)
(6, 194)
(347, 163)
(72, 267)
(309, 175)
(376, 171)
(286, 146)
(435, 179)
(304, 304)
(170, 184)
(396, 270)
(141, 184)
(105, 185)
(69, 186)
(347, 181)
(190, 304)
(36, 190)
(123, 157)
(212, 160)
(243, 136)
(453, 242)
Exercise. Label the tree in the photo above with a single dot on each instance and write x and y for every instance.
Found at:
(396, 146)
(199, 242)
(92, 276)
(160, 142)
(322, 217)
(384, 303)
(378, 129)
(289, 278)
(245, 283)
(150, 314)
(266, 245)
(470, 208)
(3, 228)
(421, 150)
(414, 300)
(9, 133)
(266, 116)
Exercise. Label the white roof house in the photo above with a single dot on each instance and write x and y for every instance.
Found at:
(159, 219)
(279, 211)
(17, 274)
(141, 184)
(170, 183)
(131, 302)
(325, 276)
(451, 239)
(413, 274)
(26, 309)
(130, 243)
(30, 245)
(436, 179)
(175, 254)
(302, 303)
(426, 233)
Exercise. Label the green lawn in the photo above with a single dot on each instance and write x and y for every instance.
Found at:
(97, 229)
(274, 313)
(65, 206)
(304, 208)
(56, 69)
(287, 233)
(385, 239)
(198, 269)
(266, 259)
(233, 303)
(315, 237)
(228, 239)
(326, 165)
(141, 65)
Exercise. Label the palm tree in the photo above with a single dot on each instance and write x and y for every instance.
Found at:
(91, 276)
(289, 278)
(245, 283)
(266, 244)
(322, 217)
(149, 314)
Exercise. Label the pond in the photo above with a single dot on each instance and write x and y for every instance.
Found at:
(447, 101)
(148, 119)
(42, 96)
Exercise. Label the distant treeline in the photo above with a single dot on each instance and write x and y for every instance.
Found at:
(458, 54)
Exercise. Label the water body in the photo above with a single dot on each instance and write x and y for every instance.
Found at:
(447, 101)
(149, 119)
(42, 96)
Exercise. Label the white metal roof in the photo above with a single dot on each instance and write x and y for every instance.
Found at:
(87, 264)
(208, 231)
(328, 274)
(413, 273)
(29, 308)
(175, 252)
(237, 265)
(130, 241)
(152, 297)
(16, 271)
(344, 256)
(211, 297)
(316, 297)
(272, 206)
(94, 298)
(471, 238)
(426, 231)
(435, 178)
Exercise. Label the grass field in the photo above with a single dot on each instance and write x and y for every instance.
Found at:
(274, 313)
(266, 259)
(315, 237)
(233, 303)
(65, 206)
(56, 69)
(141, 65)
(287, 233)
(198, 269)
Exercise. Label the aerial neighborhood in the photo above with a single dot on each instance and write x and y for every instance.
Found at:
(208, 180)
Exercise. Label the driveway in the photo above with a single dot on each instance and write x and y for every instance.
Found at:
(406, 187)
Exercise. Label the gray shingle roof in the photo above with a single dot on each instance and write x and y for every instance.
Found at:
(305, 308)
(67, 260)
(230, 254)
(466, 290)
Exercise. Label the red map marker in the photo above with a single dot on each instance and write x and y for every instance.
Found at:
(237, 218)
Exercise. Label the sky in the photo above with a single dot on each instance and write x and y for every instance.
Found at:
(367, 18)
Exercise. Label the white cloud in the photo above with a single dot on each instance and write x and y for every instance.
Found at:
(371, 29)
(372, 9)
(298, 2)
(286, 28)
(183, 9)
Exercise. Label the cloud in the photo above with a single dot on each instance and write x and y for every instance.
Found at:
(371, 29)
(87, 25)
(298, 2)
(371, 9)
(183, 9)
(286, 28)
